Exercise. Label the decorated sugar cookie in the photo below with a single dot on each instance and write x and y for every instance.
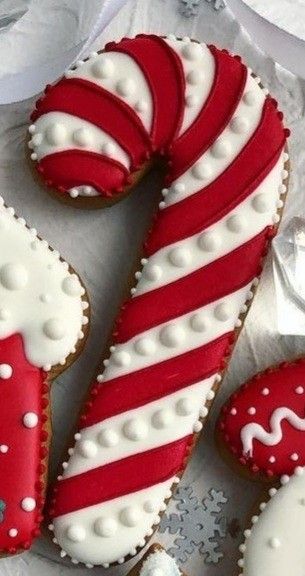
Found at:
(93, 134)
(43, 315)
(263, 427)
(156, 562)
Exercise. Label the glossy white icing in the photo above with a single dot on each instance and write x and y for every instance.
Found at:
(183, 258)
(199, 77)
(132, 519)
(141, 429)
(179, 336)
(224, 150)
(122, 76)
(275, 543)
(271, 437)
(39, 297)
(159, 564)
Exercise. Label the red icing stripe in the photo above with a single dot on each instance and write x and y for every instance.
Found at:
(229, 83)
(128, 392)
(121, 477)
(163, 71)
(20, 466)
(86, 100)
(241, 178)
(212, 282)
(77, 167)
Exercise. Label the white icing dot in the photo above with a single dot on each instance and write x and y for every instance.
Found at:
(30, 420)
(125, 86)
(6, 371)
(209, 241)
(260, 203)
(178, 188)
(235, 223)
(191, 100)
(249, 97)
(272, 459)
(162, 418)
(54, 329)
(4, 314)
(45, 298)
(179, 257)
(150, 506)
(105, 527)
(130, 516)
(172, 335)
(82, 137)
(13, 276)
(71, 285)
(251, 410)
(201, 170)
(185, 406)
(221, 148)
(239, 125)
(192, 51)
(233, 411)
(135, 429)
(108, 438)
(102, 68)
(145, 347)
(299, 390)
(265, 391)
(294, 457)
(28, 504)
(87, 448)
(3, 448)
(76, 533)
(152, 272)
(222, 311)
(37, 139)
(198, 322)
(13, 532)
(274, 542)
(121, 358)
(56, 134)
(195, 77)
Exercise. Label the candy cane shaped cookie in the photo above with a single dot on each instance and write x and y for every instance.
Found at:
(93, 133)
(262, 426)
(42, 313)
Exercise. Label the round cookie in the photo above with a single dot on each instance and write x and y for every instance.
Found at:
(223, 139)
(43, 323)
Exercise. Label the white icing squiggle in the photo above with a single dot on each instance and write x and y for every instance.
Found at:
(253, 430)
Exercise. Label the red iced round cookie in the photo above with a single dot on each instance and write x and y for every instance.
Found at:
(263, 423)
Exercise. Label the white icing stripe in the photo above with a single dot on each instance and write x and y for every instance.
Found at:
(183, 258)
(199, 77)
(275, 543)
(127, 520)
(174, 338)
(155, 424)
(58, 131)
(119, 74)
(39, 297)
(225, 149)
(253, 430)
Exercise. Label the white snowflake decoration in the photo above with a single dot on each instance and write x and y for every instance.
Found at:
(198, 525)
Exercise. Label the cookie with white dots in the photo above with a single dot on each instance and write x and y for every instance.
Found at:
(224, 142)
(43, 325)
(262, 429)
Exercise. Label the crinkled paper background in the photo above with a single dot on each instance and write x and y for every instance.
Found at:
(203, 527)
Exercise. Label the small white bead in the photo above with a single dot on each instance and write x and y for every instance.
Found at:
(185, 406)
(130, 516)
(195, 77)
(172, 335)
(201, 170)
(251, 411)
(209, 241)
(12, 532)
(150, 506)
(272, 459)
(56, 134)
(108, 438)
(299, 390)
(265, 391)
(261, 203)
(192, 51)
(54, 329)
(250, 97)
(28, 504)
(239, 125)
(102, 68)
(121, 358)
(221, 148)
(105, 527)
(180, 257)
(223, 311)
(274, 543)
(82, 137)
(6, 371)
(152, 272)
(294, 457)
(126, 87)
(87, 448)
(162, 418)
(199, 322)
(235, 223)
(135, 429)
(76, 533)
(30, 420)
(13, 276)
(145, 347)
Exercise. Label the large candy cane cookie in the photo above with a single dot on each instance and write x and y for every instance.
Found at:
(42, 313)
(224, 141)
(263, 426)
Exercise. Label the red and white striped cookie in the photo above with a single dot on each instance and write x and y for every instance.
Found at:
(41, 320)
(224, 141)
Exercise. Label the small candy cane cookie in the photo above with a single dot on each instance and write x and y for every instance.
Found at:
(224, 141)
(42, 314)
(263, 427)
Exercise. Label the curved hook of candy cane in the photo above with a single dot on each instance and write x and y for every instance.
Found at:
(223, 138)
(43, 324)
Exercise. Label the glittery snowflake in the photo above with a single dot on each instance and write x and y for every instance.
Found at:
(198, 525)
(190, 7)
